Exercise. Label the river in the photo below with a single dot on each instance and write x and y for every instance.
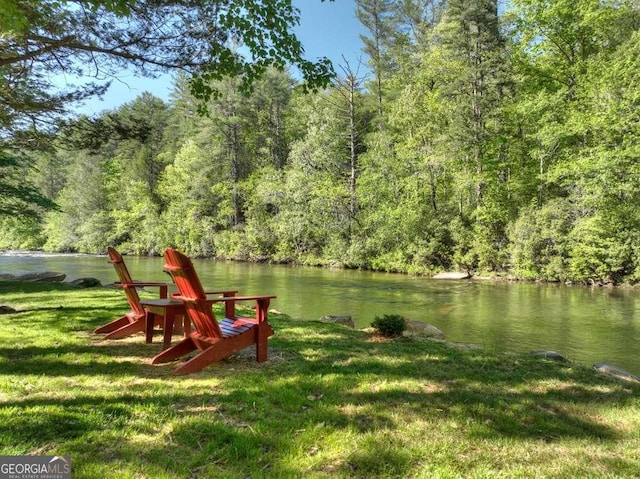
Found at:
(586, 325)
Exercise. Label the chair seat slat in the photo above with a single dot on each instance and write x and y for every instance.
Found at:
(227, 328)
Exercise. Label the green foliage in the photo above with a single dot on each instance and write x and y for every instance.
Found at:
(389, 325)
(265, 193)
(112, 34)
(264, 27)
(21, 233)
(83, 222)
(43, 40)
(490, 239)
(19, 196)
(500, 141)
(196, 204)
(600, 252)
(540, 241)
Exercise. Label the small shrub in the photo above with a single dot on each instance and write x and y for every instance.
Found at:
(389, 325)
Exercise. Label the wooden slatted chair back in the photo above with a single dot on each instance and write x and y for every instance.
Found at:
(192, 293)
(126, 282)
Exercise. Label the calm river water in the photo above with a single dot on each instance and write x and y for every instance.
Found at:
(585, 325)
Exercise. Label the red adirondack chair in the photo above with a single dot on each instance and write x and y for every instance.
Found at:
(136, 319)
(214, 340)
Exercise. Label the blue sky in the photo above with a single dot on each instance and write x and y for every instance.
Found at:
(330, 29)
(326, 28)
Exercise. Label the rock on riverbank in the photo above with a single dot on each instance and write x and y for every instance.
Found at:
(453, 275)
(33, 277)
(50, 276)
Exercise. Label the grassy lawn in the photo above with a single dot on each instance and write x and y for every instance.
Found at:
(330, 402)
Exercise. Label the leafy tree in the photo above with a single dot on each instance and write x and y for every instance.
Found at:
(26, 191)
(18, 196)
(377, 17)
(197, 203)
(93, 38)
(473, 51)
(508, 142)
(24, 233)
(239, 135)
(136, 137)
(417, 18)
(400, 230)
(267, 130)
(540, 241)
(579, 124)
(98, 38)
(83, 222)
(602, 179)
(314, 198)
(121, 150)
(441, 157)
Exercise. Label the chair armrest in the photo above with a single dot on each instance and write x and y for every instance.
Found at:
(239, 298)
(164, 287)
(141, 283)
(262, 304)
(228, 299)
(224, 299)
(226, 294)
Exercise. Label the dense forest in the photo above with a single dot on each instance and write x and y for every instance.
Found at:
(494, 138)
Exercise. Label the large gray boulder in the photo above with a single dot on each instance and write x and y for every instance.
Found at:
(554, 356)
(418, 328)
(615, 371)
(42, 276)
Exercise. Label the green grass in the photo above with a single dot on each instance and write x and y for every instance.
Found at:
(330, 402)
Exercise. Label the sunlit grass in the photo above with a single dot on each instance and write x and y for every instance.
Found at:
(330, 402)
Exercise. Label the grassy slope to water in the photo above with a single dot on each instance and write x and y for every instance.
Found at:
(330, 402)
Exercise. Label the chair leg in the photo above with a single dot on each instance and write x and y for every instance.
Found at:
(186, 326)
(128, 330)
(149, 322)
(203, 359)
(262, 346)
(167, 332)
(183, 347)
(168, 328)
(113, 325)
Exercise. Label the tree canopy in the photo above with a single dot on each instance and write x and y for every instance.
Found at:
(92, 41)
(498, 140)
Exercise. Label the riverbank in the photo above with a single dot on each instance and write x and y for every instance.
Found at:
(331, 265)
(586, 325)
(330, 402)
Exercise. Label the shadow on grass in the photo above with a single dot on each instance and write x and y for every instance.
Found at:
(129, 356)
(238, 416)
(517, 396)
(65, 318)
(520, 397)
(73, 309)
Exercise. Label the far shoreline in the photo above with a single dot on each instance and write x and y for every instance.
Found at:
(471, 276)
